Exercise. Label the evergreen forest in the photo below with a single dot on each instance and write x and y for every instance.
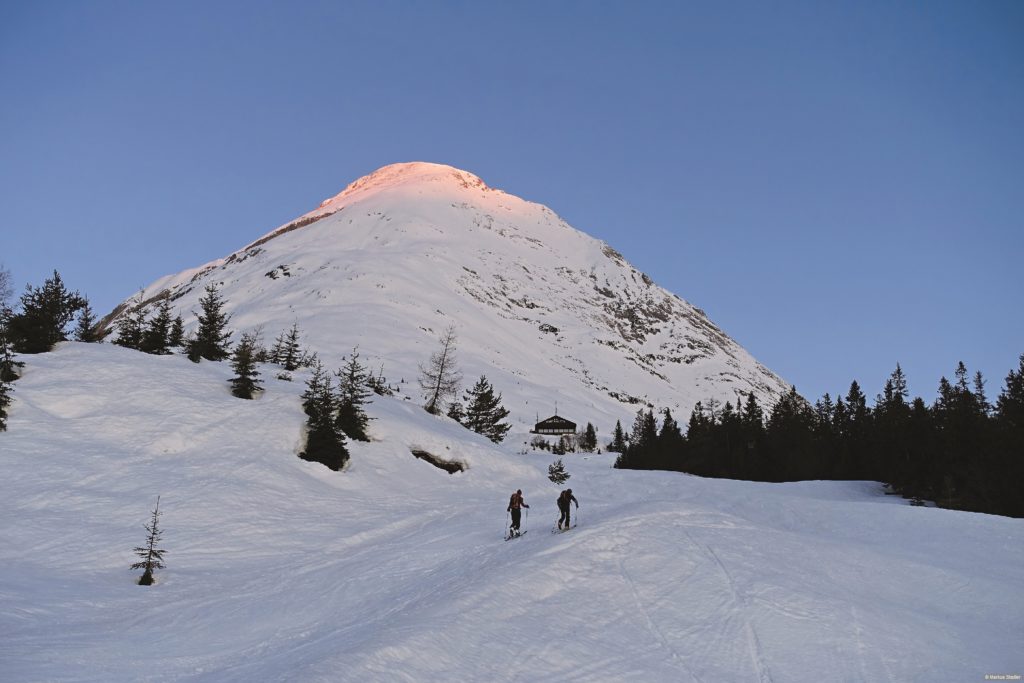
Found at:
(961, 451)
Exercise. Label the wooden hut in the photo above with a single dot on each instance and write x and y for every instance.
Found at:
(554, 425)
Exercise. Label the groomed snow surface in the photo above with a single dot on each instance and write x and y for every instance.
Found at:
(281, 570)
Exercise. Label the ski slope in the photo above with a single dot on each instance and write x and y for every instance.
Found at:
(281, 570)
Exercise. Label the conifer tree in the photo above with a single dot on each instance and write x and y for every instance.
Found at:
(176, 337)
(920, 477)
(889, 456)
(277, 350)
(669, 444)
(645, 432)
(457, 412)
(379, 383)
(151, 557)
(960, 426)
(980, 399)
(211, 340)
(789, 452)
(618, 442)
(130, 329)
(961, 377)
(753, 416)
(557, 473)
(325, 443)
(698, 442)
(8, 371)
(8, 365)
(309, 359)
(588, 442)
(246, 381)
(484, 412)
(85, 329)
(640, 452)
(353, 394)
(1010, 404)
(314, 388)
(855, 432)
(45, 313)
(6, 287)
(824, 410)
(440, 378)
(1008, 444)
(291, 351)
(287, 351)
(5, 402)
(156, 337)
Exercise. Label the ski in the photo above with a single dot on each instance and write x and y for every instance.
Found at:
(509, 538)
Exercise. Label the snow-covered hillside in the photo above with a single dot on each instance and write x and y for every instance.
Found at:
(281, 570)
(549, 314)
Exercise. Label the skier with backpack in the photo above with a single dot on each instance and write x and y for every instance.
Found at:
(515, 506)
(564, 498)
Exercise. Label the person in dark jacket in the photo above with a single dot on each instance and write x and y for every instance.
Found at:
(564, 498)
(515, 506)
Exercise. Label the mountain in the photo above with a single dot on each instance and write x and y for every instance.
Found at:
(557, 320)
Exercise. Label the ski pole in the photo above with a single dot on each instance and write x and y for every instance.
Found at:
(506, 531)
(526, 520)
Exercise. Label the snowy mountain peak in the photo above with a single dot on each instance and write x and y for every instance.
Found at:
(549, 314)
(419, 174)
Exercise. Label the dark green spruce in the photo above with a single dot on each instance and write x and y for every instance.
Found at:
(45, 312)
(353, 394)
(246, 381)
(211, 339)
(325, 442)
(484, 412)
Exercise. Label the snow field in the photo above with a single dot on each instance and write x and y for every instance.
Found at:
(281, 570)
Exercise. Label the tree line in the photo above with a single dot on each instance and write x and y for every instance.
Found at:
(961, 451)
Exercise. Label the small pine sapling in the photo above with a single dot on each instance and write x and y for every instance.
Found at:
(557, 473)
(379, 384)
(457, 412)
(151, 557)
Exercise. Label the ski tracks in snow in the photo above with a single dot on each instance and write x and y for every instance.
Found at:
(743, 605)
(658, 634)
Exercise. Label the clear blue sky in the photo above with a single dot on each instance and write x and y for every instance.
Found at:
(839, 185)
